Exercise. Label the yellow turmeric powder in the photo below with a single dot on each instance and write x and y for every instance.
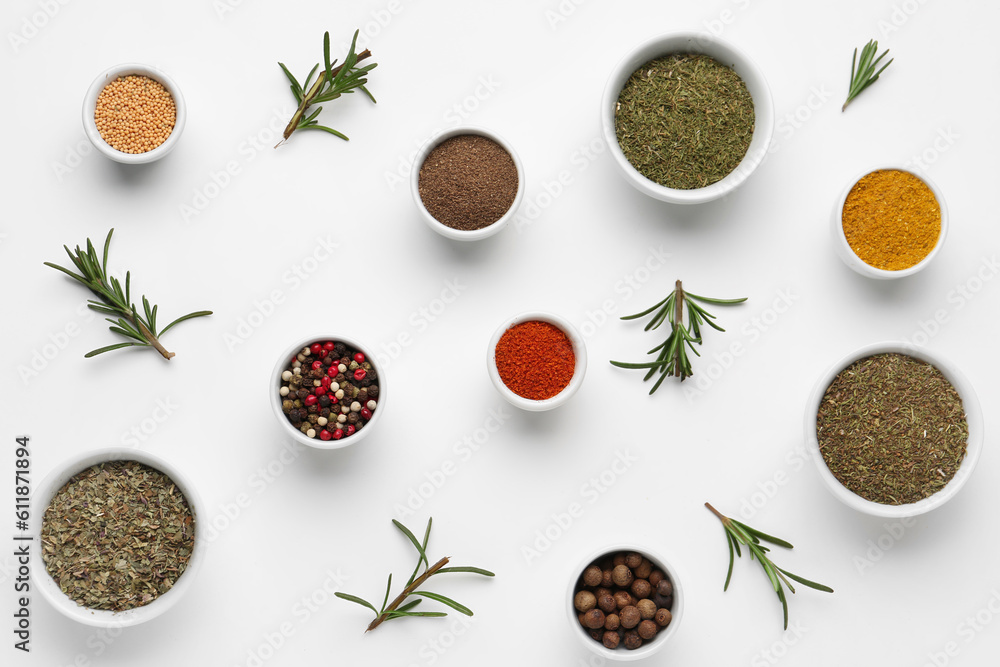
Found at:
(891, 219)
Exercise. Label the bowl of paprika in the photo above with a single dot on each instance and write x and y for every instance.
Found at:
(536, 361)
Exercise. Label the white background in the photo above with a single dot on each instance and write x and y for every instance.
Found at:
(330, 511)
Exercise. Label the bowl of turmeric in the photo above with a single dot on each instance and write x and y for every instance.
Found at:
(889, 223)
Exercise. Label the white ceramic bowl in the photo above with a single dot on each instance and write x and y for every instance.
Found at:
(579, 351)
(847, 254)
(90, 104)
(725, 53)
(649, 647)
(440, 227)
(50, 590)
(275, 398)
(973, 415)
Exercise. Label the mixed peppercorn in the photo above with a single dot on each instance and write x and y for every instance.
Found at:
(329, 391)
(623, 599)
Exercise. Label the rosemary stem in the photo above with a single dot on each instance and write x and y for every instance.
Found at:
(716, 512)
(406, 592)
(148, 335)
(308, 98)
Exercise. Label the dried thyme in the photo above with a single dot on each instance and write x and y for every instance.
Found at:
(117, 536)
(684, 121)
(892, 429)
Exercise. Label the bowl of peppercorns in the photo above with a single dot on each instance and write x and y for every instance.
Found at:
(327, 392)
(624, 602)
(134, 113)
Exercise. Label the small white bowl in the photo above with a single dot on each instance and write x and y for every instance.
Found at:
(102, 618)
(649, 647)
(847, 254)
(579, 370)
(725, 53)
(90, 104)
(437, 225)
(973, 415)
(275, 399)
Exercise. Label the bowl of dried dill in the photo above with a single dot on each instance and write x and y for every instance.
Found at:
(889, 223)
(687, 117)
(120, 540)
(895, 430)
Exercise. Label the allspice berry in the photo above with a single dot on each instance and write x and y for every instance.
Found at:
(611, 622)
(610, 639)
(584, 601)
(592, 576)
(629, 617)
(665, 588)
(644, 570)
(632, 640)
(621, 575)
(594, 619)
(633, 560)
(606, 603)
(606, 579)
(647, 629)
(647, 609)
(641, 588)
(623, 599)
(618, 559)
(655, 577)
(663, 617)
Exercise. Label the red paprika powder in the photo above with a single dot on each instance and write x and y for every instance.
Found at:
(535, 359)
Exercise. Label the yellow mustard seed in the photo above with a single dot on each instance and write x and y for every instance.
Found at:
(891, 219)
(135, 114)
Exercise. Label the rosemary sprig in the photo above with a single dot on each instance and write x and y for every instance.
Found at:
(672, 358)
(862, 71)
(738, 533)
(396, 609)
(331, 84)
(138, 329)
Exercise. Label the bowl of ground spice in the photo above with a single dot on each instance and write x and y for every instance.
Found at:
(889, 223)
(895, 430)
(469, 183)
(134, 113)
(687, 117)
(327, 392)
(536, 361)
(121, 538)
(624, 602)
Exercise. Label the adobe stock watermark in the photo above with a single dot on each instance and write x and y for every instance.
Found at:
(957, 298)
(73, 158)
(454, 116)
(892, 534)
(221, 178)
(767, 489)
(726, 17)
(946, 138)
(627, 287)
(433, 649)
(553, 188)
(55, 343)
(780, 648)
(32, 24)
(561, 12)
(967, 630)
(144, 430)
(378, 21)
(719, 363)
(294, 277)
(900, 15)
(590, 492)
(419, 320)
(300, 613)
(463, 449)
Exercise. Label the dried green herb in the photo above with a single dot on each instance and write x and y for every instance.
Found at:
(331, 84)
(738, 533)
(684, 121)
(396, 609)
(863, 73)
(672, 359)
(892, 429)
(117, 536)
(140, 331)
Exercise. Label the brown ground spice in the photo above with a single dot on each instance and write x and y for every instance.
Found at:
(891, 219)
(468, 182)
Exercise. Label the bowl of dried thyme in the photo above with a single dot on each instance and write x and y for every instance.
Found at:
(889, 223)
(467, 183)
(134, 113)
(687, 116)
(120, 538)
(895, 430)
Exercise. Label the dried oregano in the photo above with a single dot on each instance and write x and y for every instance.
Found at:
(892, 429)
(117, 535)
